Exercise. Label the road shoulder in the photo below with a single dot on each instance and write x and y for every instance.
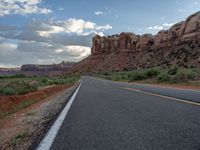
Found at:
(26, 128)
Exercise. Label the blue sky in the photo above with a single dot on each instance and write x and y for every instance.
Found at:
(49, 31)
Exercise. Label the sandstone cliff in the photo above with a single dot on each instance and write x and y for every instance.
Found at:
(180, 45)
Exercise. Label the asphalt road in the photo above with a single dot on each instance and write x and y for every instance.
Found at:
(106, 116)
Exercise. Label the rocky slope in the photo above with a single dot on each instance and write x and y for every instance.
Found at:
(180, 45)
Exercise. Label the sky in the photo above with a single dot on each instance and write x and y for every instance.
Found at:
(52, 31)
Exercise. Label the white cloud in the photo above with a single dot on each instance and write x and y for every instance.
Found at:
(22, 7)
(53, 30)
(156, 27)
(76, 26)
(105, 27)
(71, 31)
(160, 27)
(98, 13)
(48, 41)
(79, 50)
(39, 53)
(168, 24)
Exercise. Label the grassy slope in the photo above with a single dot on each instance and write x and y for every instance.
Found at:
(19, 84)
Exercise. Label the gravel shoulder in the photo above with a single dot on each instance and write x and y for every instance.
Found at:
(26, 128)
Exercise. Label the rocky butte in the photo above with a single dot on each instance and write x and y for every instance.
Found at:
(180, 45)
(44, 70)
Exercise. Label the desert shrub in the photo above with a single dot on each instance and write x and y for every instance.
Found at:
(116, 77)
(13, 76)
(71, 79)
(124, 77)
(18, 76)
(26, 88)
(59, 81)
(163, 77)
(153, 72)
(16, 140)
(184, 75)
(44, 81)
(173, 70)
(106, 73)
(18, 88)
(8, 91)
(51, 82)
(140, 75)
(23, 104)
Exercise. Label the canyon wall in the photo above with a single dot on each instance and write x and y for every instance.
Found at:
(180, 45)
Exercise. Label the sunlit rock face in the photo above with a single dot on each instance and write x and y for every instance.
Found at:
(180, 45)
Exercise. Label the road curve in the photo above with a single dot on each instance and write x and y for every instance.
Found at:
(106, 116)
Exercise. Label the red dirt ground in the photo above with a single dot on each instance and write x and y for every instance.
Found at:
(7, 103)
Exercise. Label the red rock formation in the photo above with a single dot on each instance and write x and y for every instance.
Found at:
(43, 70)
(179, 45)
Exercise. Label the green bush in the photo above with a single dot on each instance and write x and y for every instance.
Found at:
(44, 81)
(137, 76)
(116, 78)
(18, 88)
(59, 81)
(8, 91)
(106, 73)
(31, 84)
(163, 77)
(124, 77)
(13, 76)
(153, 72)
(184, 75)
(172, 75)
(50, 82)
(173, 70)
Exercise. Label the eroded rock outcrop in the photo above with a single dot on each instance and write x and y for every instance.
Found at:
(179, 45)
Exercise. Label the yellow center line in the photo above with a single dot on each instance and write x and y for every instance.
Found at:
(158, 95)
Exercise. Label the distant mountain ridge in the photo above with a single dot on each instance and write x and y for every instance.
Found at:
(180, 45)
(39, 70)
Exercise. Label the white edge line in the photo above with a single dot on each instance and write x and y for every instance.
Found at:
(46, 143)
(167, 97)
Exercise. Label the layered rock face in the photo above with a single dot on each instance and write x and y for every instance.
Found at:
(180, 45)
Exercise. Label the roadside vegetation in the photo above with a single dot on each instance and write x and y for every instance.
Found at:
(20, 84)
(173, 75)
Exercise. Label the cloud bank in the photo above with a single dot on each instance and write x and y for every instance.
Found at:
(48, 41)
(22, 7)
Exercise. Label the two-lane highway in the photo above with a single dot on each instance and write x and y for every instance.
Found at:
(106, 115)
